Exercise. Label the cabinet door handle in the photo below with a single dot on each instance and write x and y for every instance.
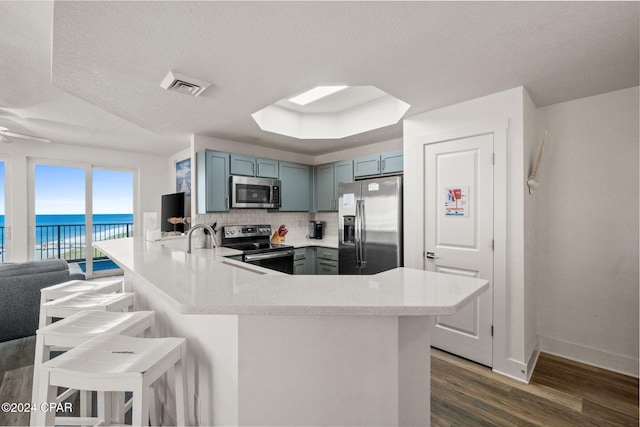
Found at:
(327, 264)
(258, 174)
(226, 202)
(253, 168)
(378, 163)
(384, 164)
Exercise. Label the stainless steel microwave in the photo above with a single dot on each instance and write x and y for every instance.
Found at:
(250, 192)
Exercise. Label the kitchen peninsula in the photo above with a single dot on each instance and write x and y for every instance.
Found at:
(266, 348)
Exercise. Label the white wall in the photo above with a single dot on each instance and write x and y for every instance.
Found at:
(587, 230)
(511, 354)
(152, 178)
(531, 142)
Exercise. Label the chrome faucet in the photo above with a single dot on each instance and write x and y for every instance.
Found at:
(214, 241)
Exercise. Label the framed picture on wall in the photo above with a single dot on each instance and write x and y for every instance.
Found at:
(183, 177)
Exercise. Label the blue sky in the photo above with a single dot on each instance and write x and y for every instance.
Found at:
(60, 190)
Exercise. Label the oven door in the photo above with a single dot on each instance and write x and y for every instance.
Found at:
(279, 260)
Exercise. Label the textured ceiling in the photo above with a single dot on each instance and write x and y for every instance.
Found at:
(96, 80)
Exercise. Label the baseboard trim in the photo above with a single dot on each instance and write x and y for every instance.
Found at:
(590, 356)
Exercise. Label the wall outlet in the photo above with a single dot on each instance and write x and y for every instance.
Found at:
(197, 409)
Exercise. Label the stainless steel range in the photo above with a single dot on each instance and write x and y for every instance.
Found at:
(255, 243)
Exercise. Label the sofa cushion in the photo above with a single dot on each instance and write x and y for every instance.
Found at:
(20, 285)
(13, 269)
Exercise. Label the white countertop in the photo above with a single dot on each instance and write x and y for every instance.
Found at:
(205, 282)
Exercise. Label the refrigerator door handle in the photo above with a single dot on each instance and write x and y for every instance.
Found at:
(357, 233)
(363, 227)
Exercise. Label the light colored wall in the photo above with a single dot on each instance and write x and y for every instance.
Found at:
(509, 356)
(588, 230)
(531, 142)
(151, 181)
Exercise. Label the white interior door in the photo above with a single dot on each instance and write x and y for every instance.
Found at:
(459, 237)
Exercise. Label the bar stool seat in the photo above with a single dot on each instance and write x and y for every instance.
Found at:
(72, 286)
(73, 303)
(79, 328)
(115, 363)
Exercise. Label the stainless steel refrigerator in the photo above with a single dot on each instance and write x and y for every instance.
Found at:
(370, 225)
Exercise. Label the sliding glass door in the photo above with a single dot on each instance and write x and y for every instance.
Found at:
(60, 228)
(75, 206)
(112, 213)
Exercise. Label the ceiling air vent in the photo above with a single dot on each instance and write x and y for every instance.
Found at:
(182, 84)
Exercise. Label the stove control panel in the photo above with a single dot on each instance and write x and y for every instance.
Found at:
(237, 231)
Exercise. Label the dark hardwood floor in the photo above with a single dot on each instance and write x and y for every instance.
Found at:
(561, 392)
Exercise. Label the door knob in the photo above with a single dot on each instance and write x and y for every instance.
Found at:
(432, 255)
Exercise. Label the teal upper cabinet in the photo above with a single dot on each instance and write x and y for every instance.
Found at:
(324, 187)
(343, 172)
(212, 171)
(391, 162)
(252, 166)
(378, 164)
(295, 194)
(328, 177)
(367, 165)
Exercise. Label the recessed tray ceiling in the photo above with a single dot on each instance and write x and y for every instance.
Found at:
(349, 112)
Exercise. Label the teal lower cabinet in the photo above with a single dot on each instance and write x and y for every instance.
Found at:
(300, 261)
(326, 261)
(303, 261)
(326, 267)
(315, 260)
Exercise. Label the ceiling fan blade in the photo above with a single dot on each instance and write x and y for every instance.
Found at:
(24, 136)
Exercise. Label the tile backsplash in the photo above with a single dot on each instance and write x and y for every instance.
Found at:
(296, 222)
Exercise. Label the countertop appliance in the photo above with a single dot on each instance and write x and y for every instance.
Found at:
(370, 225)
(251, 192)
(315, 229)
(257, 249)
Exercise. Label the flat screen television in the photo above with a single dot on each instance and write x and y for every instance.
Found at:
(172, 206)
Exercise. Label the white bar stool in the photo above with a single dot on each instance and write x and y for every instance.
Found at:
(72, 286)
(110, 363)
(73, 303)
(79, 328)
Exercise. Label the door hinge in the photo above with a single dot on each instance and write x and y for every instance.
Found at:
(491, 330)
(493, 158)
(493, 244)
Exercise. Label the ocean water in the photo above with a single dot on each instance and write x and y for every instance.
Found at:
(72, 229)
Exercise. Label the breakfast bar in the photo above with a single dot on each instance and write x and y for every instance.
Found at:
(266, 348)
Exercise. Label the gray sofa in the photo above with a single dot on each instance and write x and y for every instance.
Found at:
(20, 285)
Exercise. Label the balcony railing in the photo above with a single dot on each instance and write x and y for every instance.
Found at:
(68, 241)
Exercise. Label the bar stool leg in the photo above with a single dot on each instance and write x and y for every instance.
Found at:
(153, 410)
(140, 415)
(181, 388)
(117, 407)
(85, 403)
(41, 356)
(44, 320)
(46, 394)
(104, 407)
